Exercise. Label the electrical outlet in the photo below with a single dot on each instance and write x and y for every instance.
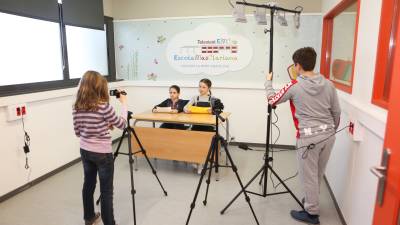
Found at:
(356, 130)
(23, 110)
(351, 128)
(16, 112)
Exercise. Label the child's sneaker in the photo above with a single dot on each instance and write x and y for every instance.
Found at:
(305, 217)
(96, 219)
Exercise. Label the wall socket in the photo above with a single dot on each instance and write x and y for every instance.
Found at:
(16, 112)
(356, 130)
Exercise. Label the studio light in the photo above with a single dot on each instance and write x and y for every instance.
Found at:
(239, 13)
(260, 16)
(282, 19)
(296, 20)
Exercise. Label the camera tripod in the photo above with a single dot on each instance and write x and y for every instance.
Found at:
(129, 131)
(212, 162)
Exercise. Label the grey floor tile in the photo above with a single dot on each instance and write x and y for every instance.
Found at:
(57, 200)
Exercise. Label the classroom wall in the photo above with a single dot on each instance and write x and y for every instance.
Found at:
(108, 8)
(52, 141)
(137, 9)
(49, 125)
(348, 173)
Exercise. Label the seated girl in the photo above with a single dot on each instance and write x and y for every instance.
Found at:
(175, 104)
(203, 100)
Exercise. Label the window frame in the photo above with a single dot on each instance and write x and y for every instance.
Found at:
(66, 82)
(384, 56)
(327, 37)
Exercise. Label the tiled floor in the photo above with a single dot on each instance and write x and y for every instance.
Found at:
(57, 200)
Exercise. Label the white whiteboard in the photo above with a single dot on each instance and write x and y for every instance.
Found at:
(141, 47)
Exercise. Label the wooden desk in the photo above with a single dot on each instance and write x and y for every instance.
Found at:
(194, 119)
(181, 145)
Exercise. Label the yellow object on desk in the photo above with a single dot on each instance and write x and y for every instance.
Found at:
(185, 118)
(201, 110)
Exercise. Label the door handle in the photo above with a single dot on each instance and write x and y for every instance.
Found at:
(381, 172)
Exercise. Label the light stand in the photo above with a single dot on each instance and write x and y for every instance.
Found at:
(264, 169)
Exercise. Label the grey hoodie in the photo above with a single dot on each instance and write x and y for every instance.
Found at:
(313, 101)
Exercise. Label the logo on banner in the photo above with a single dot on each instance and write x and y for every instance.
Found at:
(208, 49)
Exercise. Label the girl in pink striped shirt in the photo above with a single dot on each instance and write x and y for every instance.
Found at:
(93, 117)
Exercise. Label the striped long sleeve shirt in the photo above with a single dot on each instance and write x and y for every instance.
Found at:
(92, 127)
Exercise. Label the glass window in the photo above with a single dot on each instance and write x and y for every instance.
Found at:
(87, 50)
(344, 27)
(30, 50)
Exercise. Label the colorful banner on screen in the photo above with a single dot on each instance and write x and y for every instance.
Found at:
(208, 49)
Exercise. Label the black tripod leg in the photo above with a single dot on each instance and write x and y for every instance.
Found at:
(203, 171)
(287, 188)
(241, 191)
(217, 148)
(208, 181)
(261, 179)
(121, 139)
(234, 168)
(147, 159)
(133, 191)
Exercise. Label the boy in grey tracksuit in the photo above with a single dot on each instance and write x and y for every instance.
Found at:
(316, 114)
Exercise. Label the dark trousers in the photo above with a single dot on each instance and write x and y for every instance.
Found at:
(173, 126)
(102, 164)
(203, 128)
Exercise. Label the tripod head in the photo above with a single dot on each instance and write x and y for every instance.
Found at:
(217, 108)
(128, 118)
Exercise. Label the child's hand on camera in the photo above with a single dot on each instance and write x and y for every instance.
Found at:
(122, 99)
(269, 76)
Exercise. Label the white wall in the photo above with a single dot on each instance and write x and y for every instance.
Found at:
(348, 169)
(53, 142)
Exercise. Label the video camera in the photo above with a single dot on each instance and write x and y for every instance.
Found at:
(117, 93)
(217, 105)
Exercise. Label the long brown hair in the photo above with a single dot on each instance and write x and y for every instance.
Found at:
(207, 82)
(93, 90)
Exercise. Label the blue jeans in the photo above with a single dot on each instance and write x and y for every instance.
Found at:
(102, 164)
